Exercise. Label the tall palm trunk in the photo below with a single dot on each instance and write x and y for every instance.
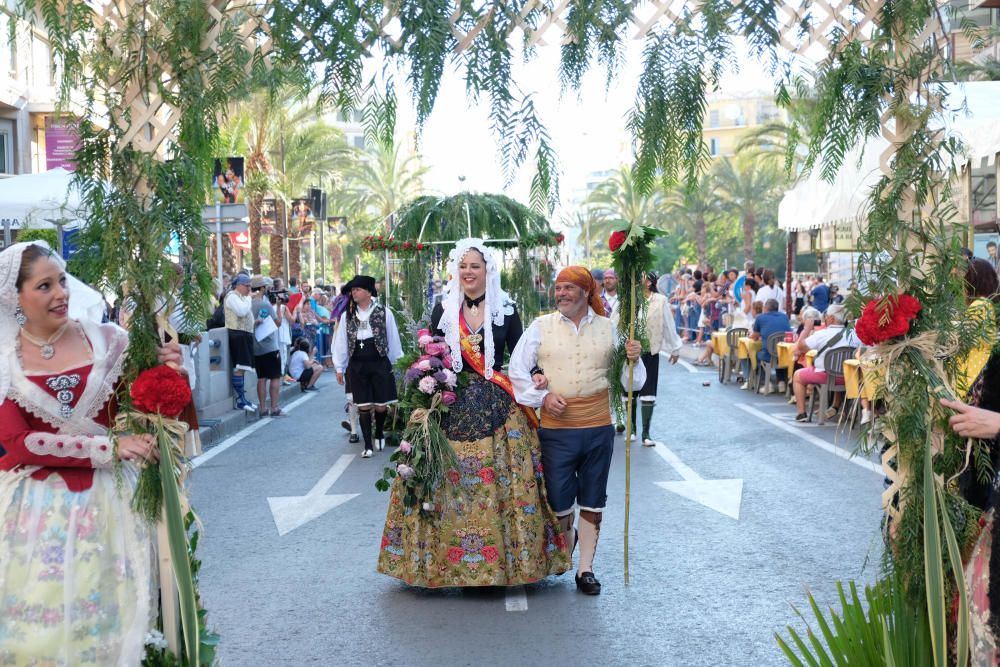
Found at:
(749, 222)
(701, 237)
(277, 242)
(256, 202)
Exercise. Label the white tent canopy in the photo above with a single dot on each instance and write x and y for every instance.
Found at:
(814, 203)
(44, 200)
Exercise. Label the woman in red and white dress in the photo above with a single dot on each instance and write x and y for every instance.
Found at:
(76, 563)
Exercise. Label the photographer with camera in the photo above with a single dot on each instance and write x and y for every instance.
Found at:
(267, 357)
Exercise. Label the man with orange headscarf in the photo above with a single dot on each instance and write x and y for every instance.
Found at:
(561, 365)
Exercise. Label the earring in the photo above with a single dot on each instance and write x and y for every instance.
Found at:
(20, 317)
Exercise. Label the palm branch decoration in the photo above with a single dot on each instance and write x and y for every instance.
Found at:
(428, 226)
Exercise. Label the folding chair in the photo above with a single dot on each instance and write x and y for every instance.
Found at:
(766, 367)
(833, 363)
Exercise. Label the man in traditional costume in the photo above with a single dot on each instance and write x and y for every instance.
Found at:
(366, 347)
(662, 335)
(239, 325)
(569, 353)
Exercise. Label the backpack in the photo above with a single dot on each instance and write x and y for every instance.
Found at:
(218, 318)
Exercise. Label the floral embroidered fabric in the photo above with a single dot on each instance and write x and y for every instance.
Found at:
(491, 525)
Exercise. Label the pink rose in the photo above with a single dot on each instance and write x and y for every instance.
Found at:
(405, 446)
(448, 397)
(424, 341)
(446, 360)
(435, 349)
(428, 385)
(404, 471)
(423, 332)
(424, 365)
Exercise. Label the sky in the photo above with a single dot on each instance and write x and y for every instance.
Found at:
(588, 129)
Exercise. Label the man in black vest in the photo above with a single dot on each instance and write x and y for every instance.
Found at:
(366, 347)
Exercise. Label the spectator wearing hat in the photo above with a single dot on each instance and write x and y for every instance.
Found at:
(240, 323)
(366, 347)
(267, 357)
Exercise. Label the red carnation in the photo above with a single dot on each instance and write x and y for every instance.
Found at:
(455, 555)
(420, 246)
(490, 554)
(454, 477)
(407, 245)
(616, 240)
(883, 319)
(487, 475)
(162, 390)
(560, 238)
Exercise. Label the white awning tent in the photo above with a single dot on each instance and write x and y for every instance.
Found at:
(815, 204)
(46, 200)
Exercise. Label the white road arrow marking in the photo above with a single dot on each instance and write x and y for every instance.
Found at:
(722, 495)
(290, 512)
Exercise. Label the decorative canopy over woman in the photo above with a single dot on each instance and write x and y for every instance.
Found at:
(491, 524)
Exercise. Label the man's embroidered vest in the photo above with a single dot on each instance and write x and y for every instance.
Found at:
(576, 364)
(654, 321)
(380, 334)
(236, 323)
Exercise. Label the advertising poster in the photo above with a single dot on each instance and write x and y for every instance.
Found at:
(302, 215)
(227, 181)
(61, 142)
(268, 215)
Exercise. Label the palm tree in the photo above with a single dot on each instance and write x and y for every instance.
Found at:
(617, 199)
(747, 188)
(379, 181)
(773, 141)
(691, 210)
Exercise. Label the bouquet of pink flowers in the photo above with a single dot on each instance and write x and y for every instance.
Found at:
(424, 455)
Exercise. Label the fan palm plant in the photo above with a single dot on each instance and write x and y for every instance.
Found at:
(618, 199)
(381, 179)
(691, 211)
(748, 188)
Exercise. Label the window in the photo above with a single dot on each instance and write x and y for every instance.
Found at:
(714, 118)
(6, 146)
(359, 141)
(713, 146)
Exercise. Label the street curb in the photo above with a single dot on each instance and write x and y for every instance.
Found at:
(214, 431)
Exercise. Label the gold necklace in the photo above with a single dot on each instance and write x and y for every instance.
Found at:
(46, 345)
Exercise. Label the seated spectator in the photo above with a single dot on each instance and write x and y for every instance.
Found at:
(836, 334)
(771, 321)
(301, 366)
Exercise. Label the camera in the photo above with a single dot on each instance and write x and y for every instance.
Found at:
(280, 296)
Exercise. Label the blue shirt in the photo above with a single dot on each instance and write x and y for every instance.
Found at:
(770, 323)
(821, 297)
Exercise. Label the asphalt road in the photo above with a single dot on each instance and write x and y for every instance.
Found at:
(705, 588)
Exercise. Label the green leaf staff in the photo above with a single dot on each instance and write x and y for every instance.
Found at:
(632, 257)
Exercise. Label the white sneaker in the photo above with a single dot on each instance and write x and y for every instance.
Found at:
(791, 400)
(782, 387)
(648, 442)
(367, 454)
(745, 385)
(768, 389)
(866, 416)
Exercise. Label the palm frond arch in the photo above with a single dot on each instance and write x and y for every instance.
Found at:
(422, 232)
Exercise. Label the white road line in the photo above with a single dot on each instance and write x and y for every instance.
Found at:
(689, 367)
(813, 440)
(516, 599)
(674, 462)
(249, 430)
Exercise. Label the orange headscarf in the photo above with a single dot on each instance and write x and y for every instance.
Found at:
(580, 276)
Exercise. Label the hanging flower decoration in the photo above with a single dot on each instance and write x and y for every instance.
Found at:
(886, 318)
(381, 243)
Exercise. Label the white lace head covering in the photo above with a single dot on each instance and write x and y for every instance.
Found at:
(497, 303)
(86, 304)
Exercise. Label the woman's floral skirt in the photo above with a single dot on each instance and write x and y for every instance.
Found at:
(491, 525)
(75, 573)
(982, 641)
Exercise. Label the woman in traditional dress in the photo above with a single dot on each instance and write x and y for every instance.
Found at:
(492, 525)
(75, 561)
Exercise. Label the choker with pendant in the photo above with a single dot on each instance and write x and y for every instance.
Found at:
(473, 304)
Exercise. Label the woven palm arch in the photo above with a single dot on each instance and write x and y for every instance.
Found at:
(164, 71)
(425, 230)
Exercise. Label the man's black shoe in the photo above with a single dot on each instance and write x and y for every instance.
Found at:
(588, 584)
(346, 425)
(620, 428)
(354, 438)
